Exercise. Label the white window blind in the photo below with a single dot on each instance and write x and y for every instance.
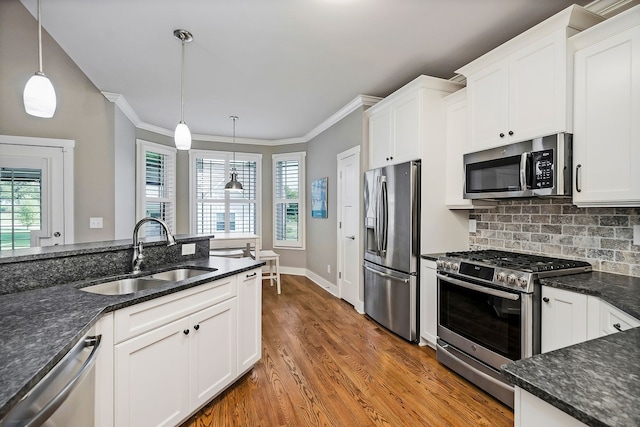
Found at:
(215, 209)
(288, 200)
(156, 185)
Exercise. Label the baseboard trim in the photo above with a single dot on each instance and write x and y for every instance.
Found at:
(323, 283)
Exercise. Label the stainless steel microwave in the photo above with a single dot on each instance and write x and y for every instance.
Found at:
(537, 167)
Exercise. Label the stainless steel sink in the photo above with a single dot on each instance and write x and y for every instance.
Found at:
(179, 274)
(136, 284)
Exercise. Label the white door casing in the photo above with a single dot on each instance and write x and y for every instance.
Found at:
(349, 251)
(54, 157)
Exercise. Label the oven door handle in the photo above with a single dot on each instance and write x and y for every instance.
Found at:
(483, 289)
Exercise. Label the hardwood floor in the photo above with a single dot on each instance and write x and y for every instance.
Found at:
(323, 364)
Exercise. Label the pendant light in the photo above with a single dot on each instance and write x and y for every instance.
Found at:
(183, 134)
(233, 184)
(39, 95)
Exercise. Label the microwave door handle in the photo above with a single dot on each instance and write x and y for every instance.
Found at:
(523, 171)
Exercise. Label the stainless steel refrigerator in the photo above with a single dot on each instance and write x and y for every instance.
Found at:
(392, 247)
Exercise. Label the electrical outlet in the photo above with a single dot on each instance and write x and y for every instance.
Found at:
(636, 235)
(472, 225)
(95, 222)
(188, 249)
(328, 268)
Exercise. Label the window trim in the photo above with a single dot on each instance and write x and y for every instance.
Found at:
(142, 147)
(299, 244)
(228, 157)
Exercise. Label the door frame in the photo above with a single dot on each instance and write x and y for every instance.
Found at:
(359, 305)
(67, 146)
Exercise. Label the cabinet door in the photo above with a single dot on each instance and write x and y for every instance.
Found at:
(213, 351)
(249, 319)
(406, 114)
(456, 113)
(613, 320)
(379, 138)
(538, 89)
(151, 377)
(606, 128)
(428, 302)
(564, 318)
(487, 92)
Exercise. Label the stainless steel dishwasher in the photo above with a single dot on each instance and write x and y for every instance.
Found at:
(65, 396)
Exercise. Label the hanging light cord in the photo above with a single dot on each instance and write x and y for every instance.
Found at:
(182, 84)
(234, 118)
(39, 40)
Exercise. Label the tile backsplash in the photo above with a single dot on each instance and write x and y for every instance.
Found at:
(555, 227)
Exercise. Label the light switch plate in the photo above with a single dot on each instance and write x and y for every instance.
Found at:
(472, 225)
(636, 235)
(188, 249)
(95, 222)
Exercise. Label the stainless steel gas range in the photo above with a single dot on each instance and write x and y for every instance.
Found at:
(489, 312)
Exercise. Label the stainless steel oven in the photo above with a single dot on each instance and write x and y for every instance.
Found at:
(489, 312)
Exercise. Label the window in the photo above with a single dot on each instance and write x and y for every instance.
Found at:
(156, 179)
(288, 200)
(214, 209)
(20, 206)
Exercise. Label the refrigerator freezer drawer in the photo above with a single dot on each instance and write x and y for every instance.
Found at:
(391, 299)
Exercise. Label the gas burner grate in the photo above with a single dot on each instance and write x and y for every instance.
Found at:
(518, 261)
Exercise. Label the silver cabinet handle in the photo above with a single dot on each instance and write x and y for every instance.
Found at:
(578, 189)
(617, 326)
(351, 237)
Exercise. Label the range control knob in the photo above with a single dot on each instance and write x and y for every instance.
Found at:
(455, 266)
(522, 282)
(501, 276)
(511, 279)
(439, 264)
(447, 265)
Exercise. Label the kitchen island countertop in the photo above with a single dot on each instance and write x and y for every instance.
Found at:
(40, 326)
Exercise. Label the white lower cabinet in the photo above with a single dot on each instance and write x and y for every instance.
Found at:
(428, 303)
(613, 320)
(531, 411)
(564, 318)
(249, 319)
(175, 353)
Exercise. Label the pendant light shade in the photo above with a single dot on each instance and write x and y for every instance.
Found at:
(234, 184)
(39, 95)
(182, 135)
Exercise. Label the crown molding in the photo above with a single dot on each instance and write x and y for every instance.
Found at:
(357, 102)
(609, 8)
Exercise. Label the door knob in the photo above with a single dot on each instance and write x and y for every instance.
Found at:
(351, 237)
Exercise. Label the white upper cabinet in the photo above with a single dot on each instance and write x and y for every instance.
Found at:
(522, 89)
(398, 125)
(606, 145)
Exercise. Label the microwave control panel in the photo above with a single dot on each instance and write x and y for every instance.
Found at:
(542, 169)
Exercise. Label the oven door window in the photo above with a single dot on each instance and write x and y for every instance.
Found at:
(493, 322)
(498, 175)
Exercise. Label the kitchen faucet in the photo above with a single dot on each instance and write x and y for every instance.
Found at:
(138, 257)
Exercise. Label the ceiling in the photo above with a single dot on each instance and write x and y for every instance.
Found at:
(282, 66)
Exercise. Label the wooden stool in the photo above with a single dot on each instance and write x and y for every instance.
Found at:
(270, 257)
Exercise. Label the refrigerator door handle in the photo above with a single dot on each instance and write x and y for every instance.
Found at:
(385, 215)
(388, 276)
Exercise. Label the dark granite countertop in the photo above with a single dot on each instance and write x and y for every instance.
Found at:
(40, 326)
(432, 257)
(598, 381)
(620, 291)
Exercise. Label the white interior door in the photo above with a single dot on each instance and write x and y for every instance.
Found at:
(348, 200)
(34, 207)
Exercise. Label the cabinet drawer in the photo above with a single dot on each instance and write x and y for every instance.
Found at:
(613, 320)
(137, 319)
